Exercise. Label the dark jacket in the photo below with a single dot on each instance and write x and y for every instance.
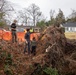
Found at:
(13, 26)
(27, 36)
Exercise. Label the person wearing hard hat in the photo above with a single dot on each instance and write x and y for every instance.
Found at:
(31, 30)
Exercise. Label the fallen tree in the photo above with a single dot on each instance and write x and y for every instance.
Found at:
(60, 51)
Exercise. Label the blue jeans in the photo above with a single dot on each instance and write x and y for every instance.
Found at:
(28, 47)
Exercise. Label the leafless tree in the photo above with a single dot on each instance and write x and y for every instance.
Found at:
(73, 14)
(23, 16)
(52, 12)
(34, 13)
(5, 9)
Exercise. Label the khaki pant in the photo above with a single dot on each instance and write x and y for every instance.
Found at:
(14, 36)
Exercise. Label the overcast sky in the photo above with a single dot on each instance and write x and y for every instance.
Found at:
(46, 5)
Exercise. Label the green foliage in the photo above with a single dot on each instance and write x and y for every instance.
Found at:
(8, 59)
(41, 24)
(2, 24)
(38, 70)
(8, 62)
(7, 70)
(3, 54)
(60, 18)
(51, 71)
(48, 23)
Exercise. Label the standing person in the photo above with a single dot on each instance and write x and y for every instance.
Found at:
(31, 30)
(33, 46)
(27, 39)
(13, 31)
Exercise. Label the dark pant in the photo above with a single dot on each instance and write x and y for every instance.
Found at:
(33, 50)
(14, 36)
(28, 47)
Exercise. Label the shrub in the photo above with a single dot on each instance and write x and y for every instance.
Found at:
(8, 59)
(7, 70)
(51, 71)
(2, 24)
